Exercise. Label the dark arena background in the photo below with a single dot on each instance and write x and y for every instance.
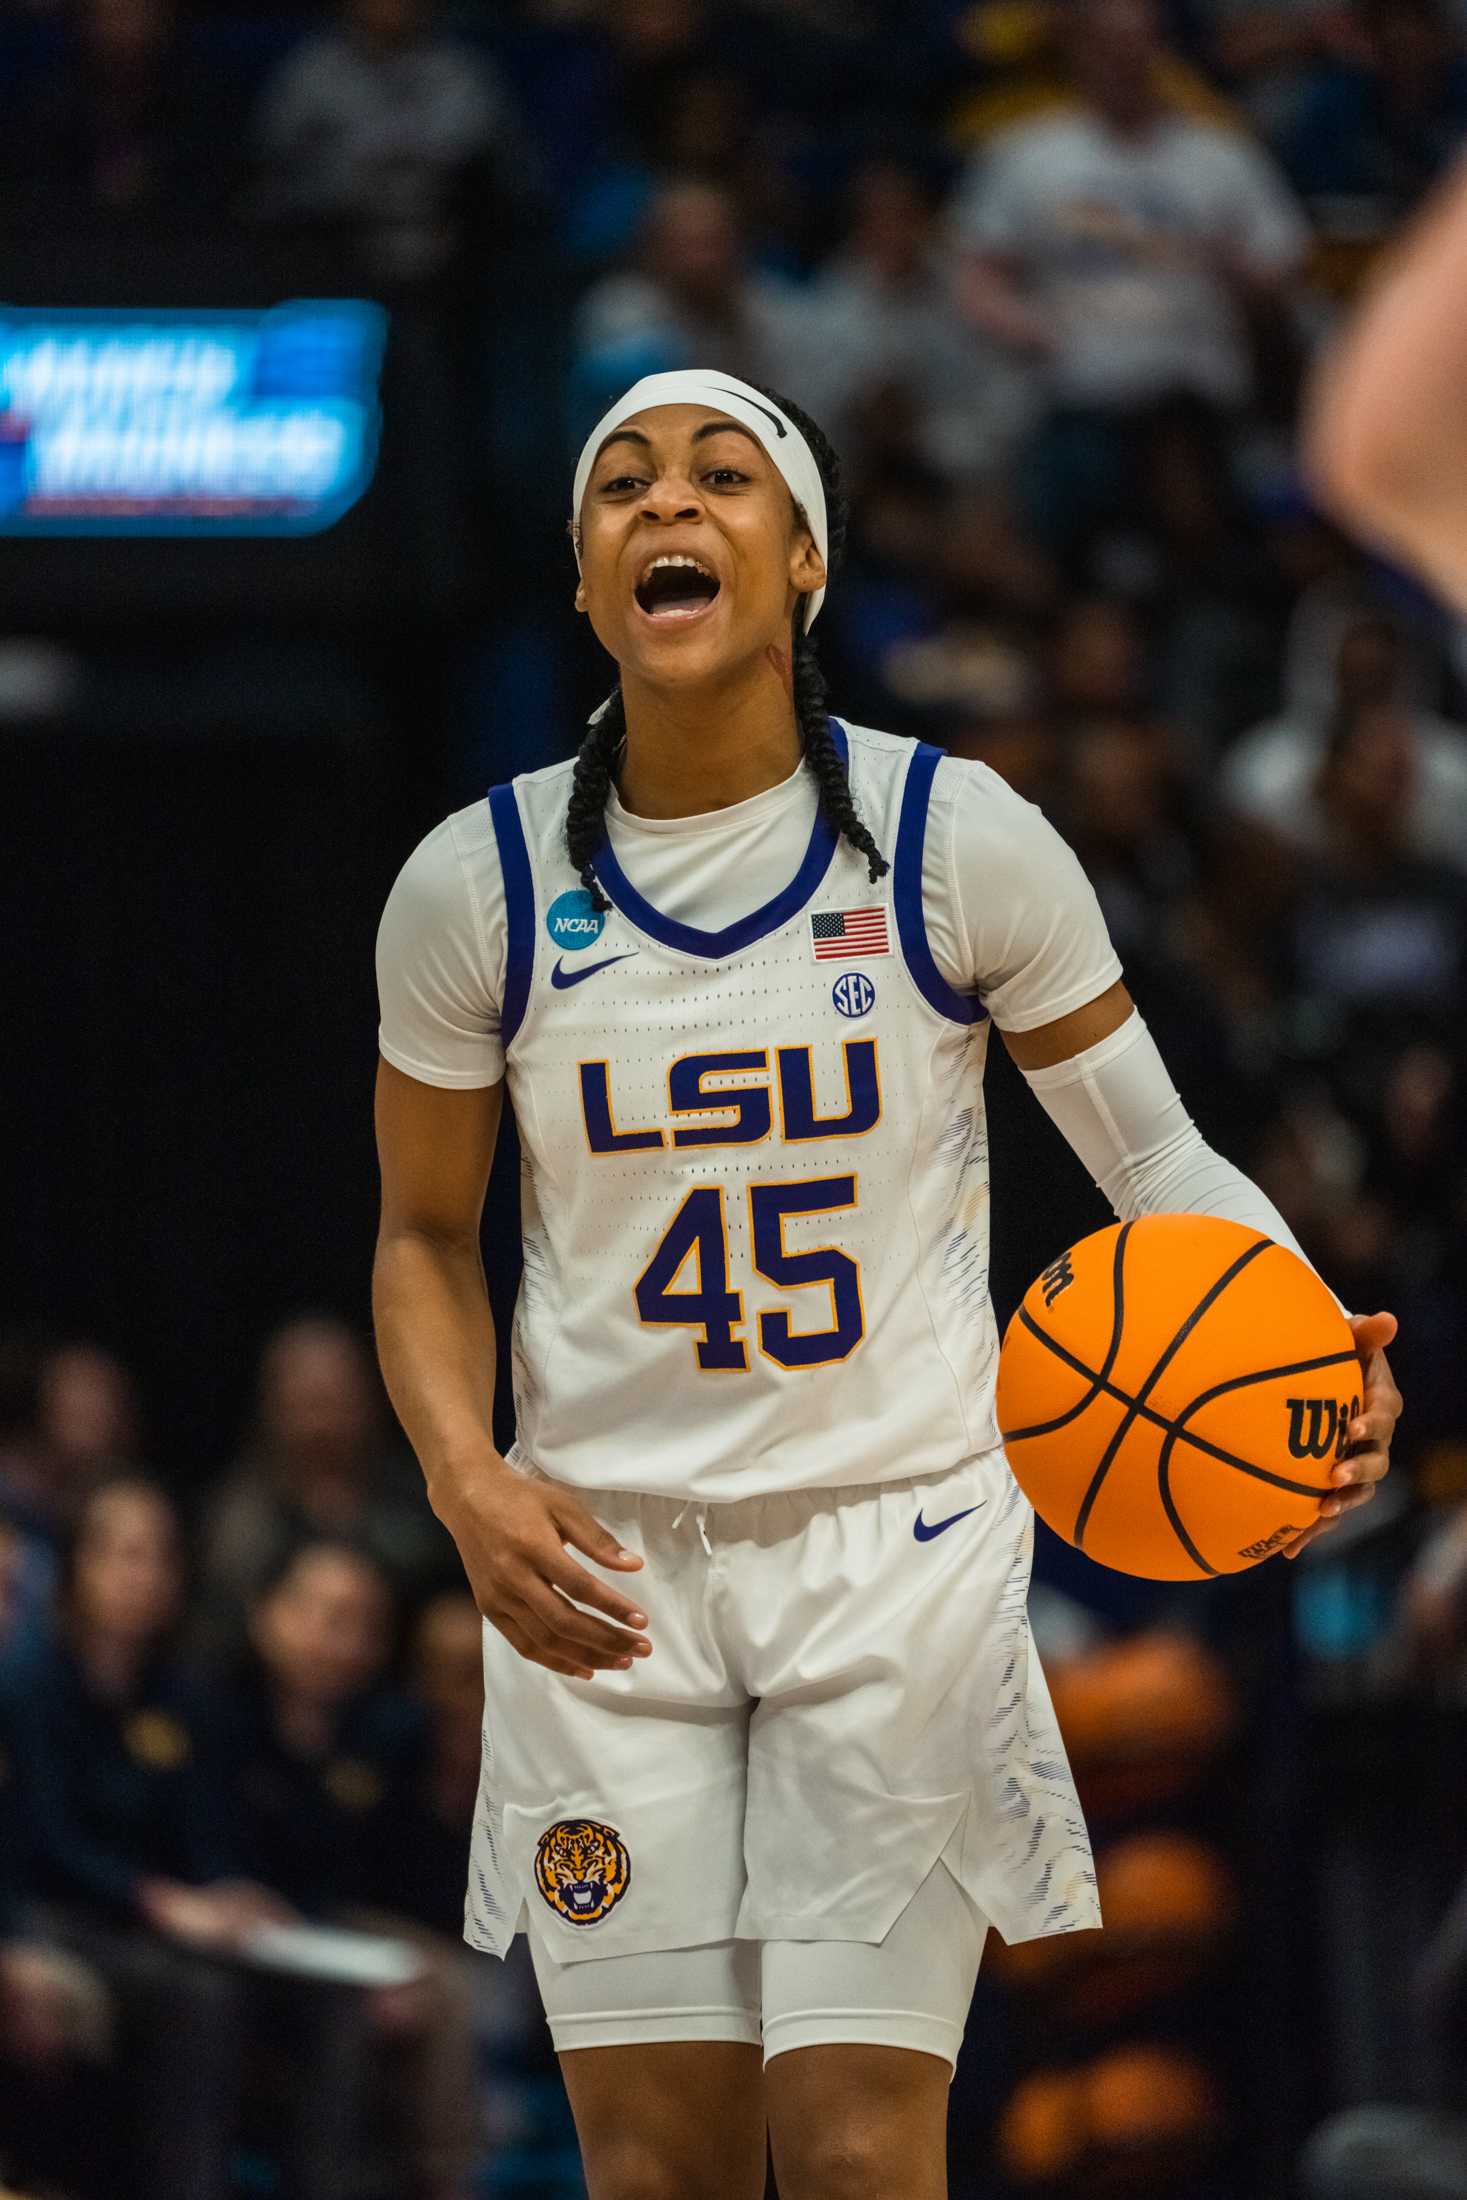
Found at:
(302, 321)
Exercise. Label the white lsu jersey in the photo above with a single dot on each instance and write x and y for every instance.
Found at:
(755, 1184)
(755, 1219)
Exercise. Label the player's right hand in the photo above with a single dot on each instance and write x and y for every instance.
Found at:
(511, 1535)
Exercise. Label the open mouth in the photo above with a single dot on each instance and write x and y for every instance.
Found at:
(674, 589)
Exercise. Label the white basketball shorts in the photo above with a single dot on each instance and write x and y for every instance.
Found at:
(842, 1691)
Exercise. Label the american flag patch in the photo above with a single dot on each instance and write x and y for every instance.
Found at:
(837, 934)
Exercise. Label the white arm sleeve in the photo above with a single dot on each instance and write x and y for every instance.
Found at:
(440, 957)
(1118, 1108)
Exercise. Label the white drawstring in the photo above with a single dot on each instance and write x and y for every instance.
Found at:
(701, 1516)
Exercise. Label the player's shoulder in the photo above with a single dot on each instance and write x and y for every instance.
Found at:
(868, 744)
(457, 855)
(980, 794)
(548, 777)
(455, 839)
(540, 796)
(959, 782)
(991, 829)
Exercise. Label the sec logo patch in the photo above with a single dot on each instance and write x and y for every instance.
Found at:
(573, 920)
(853, 993)
(582, 1869)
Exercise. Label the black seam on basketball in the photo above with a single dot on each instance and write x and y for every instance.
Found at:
(1245, 1466)
(1164, 1486)
(1063, 1352)
(1118, 1322)
(1190, 1436)
(1262, 1375)
(1107, 1461)
(1209, 1298)
(1181, 1434)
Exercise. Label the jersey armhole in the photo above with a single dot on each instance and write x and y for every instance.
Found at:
(519, 908)
(906, 894)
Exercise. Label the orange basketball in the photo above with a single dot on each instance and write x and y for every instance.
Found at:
(1175, 1394)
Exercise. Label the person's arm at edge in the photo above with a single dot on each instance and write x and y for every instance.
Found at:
(1385, 434)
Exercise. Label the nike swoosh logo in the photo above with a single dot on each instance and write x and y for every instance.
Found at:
(562, 977)
(773, 418)
(925, 1530)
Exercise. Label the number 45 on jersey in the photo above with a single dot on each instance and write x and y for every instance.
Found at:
(687, 1282)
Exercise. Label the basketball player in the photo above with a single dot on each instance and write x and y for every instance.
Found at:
(1386, 439)
(737, 963)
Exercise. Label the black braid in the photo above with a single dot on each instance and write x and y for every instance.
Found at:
(585, 817)
(823, 758)
(585, 813)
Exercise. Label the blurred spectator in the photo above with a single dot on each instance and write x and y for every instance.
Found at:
(106, 1721)
(881, 356)
(606, 85)
(320, 1462)
(1129, 252)
(1433, 1607)
(1265, 50)
(689, 298)
(55, 2017)
(1378, 929)
(1210, 580)
(75, 1415)
(940, 607)
(1272, 775)
(1122, 821)
(84, 1418)
(1379, 120)
(88, 1415)
(396, 140)
(317, 1760)
(448, 1679)
(323, 1768)
(128, 125)
(1381, 2151)
(1097, 662)
(704, 127)
(1021, 49)
(104, 1725)
(655, 46)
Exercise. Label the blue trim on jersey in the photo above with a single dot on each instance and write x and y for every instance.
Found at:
(713, 945)
(906, 894)
(519, 907)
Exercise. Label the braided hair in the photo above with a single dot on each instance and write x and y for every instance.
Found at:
(597, 756)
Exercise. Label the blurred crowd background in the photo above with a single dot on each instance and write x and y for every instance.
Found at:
(1052, 277)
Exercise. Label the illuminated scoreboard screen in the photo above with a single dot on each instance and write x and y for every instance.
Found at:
(116, 421)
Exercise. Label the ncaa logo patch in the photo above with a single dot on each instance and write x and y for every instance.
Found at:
(582, 1869)
(573, 920)
(854, 994)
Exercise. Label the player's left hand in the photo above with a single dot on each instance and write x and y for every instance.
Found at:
(1369, 1457)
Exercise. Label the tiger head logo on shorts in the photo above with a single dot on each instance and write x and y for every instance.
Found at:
(582, 1869)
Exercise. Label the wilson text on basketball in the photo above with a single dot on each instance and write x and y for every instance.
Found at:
(1319, 1426)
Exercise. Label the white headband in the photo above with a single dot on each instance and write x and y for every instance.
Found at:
(786, 447)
